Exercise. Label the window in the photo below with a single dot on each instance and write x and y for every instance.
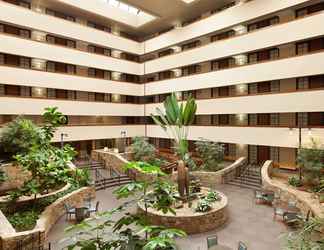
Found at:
(302, 83)
(191, 45)
(310, 10)
(264, 87)
(190, 70)
(274, 54)
(50, 66)
(222, 36)
(166, 52)
(264, 119)
(302, 48)
(223, 91)
(70, 69)
(2, 58)
(99, 97)
(25, 62)
(61, 94)
(263, 23)
(253, 58)
(223, 119)
(24, 33)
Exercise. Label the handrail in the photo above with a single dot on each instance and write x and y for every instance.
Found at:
(236, 172)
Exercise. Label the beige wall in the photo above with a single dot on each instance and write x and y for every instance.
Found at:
(276, 137)
(77, 133)
(233, 16)
(306, 65)
(309, 101)
(272, 36)
(13, 14)
(31, 106)
(45, 51)
(33, 78)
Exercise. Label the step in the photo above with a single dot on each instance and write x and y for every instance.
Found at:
(245, 182)
(249, 177)
(245, 185)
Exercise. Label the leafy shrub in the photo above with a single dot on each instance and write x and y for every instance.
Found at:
(142, 149)
(294, 181)
(3, 176)
(213, 196)
(23, 221)
(212, 154)
(203, 206)
(310, 160)
(19, 136)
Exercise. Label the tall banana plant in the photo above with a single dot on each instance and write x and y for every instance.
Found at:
(175, 121)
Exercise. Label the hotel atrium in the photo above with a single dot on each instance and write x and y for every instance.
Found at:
(162, 124)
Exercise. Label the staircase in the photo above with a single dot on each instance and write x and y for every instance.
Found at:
(249, 178)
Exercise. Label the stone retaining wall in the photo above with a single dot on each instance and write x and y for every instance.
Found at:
(15, 177)
(9, 237)
(209, 179)
(305, 201)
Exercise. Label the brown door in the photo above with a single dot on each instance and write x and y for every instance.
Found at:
(60, 67)
(99, 97)
(263, 154)
(223, 119)
(316, 44)
(316, 82)
(11, 30)
(223, 64)
(316, 119)
(264, 55)
(12, 90)
(12, 60)
(61, 94)
(223, 91)
(264, 87)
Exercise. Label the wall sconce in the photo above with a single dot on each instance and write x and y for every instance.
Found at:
(291, 131)
(310, 132)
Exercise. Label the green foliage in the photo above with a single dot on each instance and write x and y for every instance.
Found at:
(19, 136)
(142, 149)
(175, 121)
(26, 217)
(53, 119)
(144, 168)
(203, 206)
(311, 161)
(82, 177)
(131, 231)
(212, 154)
(213, 196)
(308, 237)
(294, 181)
(3, 176)
(205, 203)
(23, 221)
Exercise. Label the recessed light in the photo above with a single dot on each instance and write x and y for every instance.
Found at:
(188, 1)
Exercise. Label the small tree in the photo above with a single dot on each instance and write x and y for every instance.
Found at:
(175, 121)
(142, 149)
(19, 136)
(212, 154)
(311, 161)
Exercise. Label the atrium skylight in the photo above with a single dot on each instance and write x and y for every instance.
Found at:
(124, 6)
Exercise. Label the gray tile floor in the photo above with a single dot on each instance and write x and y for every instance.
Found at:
(253, 224)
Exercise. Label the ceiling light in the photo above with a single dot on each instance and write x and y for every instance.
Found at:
(188, 1)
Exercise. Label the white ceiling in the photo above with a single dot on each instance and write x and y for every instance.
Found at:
(168, 13)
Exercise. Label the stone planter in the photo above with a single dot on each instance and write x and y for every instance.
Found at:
(190, 221)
